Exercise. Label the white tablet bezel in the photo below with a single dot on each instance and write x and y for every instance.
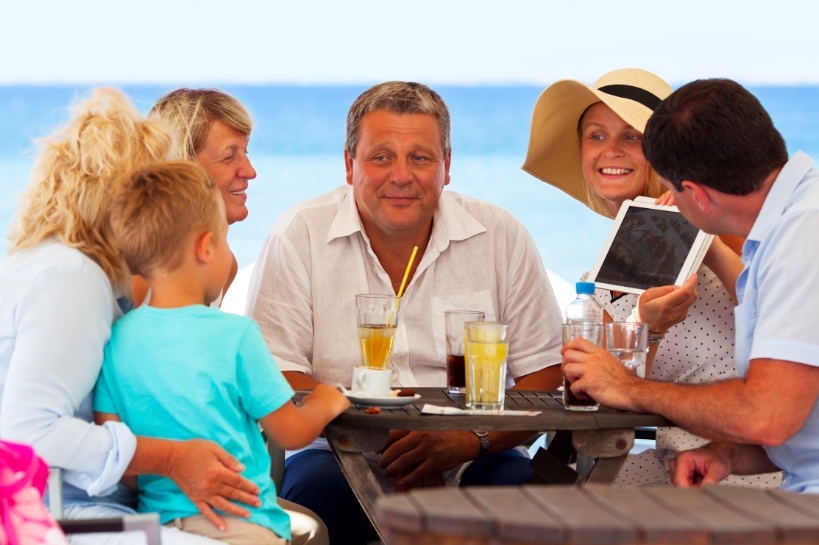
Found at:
(692, 262)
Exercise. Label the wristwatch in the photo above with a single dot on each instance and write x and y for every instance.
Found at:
(483, 437)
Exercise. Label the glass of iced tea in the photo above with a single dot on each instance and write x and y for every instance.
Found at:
(377, 319)
(455, 354)
(593, 333)
(487, 344)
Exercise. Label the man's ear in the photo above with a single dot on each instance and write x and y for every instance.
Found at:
(202, 247)
(701, 194)
(348, 165)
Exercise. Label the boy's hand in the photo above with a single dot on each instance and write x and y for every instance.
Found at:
(209, 476)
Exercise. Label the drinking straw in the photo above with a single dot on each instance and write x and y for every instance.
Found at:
(404, 281)
(406, 274)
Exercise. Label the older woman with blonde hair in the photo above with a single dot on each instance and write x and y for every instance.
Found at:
(213, 129)
(586, 141)
(62, 286)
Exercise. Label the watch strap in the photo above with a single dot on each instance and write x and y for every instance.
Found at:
(483, 437)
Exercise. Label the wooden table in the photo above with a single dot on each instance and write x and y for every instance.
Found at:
(599, 514)
(605, 436)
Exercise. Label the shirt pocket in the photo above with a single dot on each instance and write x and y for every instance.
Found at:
(479, 300)
(745, 317)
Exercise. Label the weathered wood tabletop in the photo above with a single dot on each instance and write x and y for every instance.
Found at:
(599, 514)
(606, 436)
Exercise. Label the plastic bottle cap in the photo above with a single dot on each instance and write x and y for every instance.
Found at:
(585, 288)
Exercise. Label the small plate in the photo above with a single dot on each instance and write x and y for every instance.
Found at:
(383, 402)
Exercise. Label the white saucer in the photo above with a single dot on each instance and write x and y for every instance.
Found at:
(384, 402)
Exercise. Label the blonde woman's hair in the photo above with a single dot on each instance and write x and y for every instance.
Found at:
(155, 214)
(76, 173)
(191, 112)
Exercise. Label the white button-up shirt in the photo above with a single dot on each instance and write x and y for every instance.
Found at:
(317, 258)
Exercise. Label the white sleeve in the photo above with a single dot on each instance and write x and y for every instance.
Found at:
(531, 310)
(280, 300)
(62, 325)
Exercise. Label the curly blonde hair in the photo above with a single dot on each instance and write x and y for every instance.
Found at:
(77, 171)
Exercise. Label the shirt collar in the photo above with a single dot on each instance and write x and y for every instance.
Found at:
(780, 194)
(451, 221)
(347, 220)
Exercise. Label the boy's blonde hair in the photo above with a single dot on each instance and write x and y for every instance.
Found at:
(191, 112)
(155, 214)
(77, 172)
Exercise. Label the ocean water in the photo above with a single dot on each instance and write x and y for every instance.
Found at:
(297, 150)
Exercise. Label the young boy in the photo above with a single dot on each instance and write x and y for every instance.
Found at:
(179, 369)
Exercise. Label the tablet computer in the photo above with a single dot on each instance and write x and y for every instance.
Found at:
(648, 246)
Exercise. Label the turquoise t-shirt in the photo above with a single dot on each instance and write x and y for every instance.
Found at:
(195, 372)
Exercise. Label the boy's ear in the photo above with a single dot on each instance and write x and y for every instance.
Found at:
(202, 247)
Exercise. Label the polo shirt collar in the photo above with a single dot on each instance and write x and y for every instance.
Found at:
(779, 196)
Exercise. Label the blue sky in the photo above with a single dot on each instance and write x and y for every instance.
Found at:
(434, 41)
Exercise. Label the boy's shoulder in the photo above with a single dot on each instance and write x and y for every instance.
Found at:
(205, 319)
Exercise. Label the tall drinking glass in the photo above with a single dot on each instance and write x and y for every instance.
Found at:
(486, 366)
(455, 347)
(594, 334)
(628, 341)
(377, 319)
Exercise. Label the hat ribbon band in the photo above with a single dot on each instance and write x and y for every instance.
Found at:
(647, 99)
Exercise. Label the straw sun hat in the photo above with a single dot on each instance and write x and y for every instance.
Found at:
(554, 143)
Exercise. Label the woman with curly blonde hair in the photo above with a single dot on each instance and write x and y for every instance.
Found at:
(62, 286)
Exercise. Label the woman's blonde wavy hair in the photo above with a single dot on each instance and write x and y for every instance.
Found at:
(77, 171)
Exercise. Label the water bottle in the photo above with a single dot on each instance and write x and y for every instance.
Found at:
(584, 309)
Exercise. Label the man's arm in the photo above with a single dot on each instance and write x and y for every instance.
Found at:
(767, 407)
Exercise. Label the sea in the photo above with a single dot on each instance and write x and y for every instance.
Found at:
(297, 150)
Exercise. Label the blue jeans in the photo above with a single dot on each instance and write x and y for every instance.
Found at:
(313, 478)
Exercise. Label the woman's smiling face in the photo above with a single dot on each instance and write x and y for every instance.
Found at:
(611, 155)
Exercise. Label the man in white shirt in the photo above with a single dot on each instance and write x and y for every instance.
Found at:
(358, 239)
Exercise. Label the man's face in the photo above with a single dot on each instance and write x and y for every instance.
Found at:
(224, 157)
(398, 172)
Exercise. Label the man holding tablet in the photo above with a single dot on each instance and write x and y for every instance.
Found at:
(727, 168)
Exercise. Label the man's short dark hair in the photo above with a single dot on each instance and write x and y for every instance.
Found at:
(714, 132)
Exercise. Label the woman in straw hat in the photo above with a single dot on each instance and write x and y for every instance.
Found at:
(62, 286)
(586, 141)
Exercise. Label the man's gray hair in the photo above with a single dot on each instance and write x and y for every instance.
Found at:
(397, 97)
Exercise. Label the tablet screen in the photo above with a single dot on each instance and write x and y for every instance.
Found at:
(649, 249)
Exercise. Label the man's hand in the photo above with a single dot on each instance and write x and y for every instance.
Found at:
(210, 477)
(417, 458)
(595, 372)
(666, 306)
(699, 467)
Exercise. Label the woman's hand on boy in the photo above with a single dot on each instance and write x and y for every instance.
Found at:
(210, 477)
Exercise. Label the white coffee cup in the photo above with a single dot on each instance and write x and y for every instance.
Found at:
(371, 382)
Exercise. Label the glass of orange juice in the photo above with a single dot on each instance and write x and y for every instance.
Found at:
(377, 317)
